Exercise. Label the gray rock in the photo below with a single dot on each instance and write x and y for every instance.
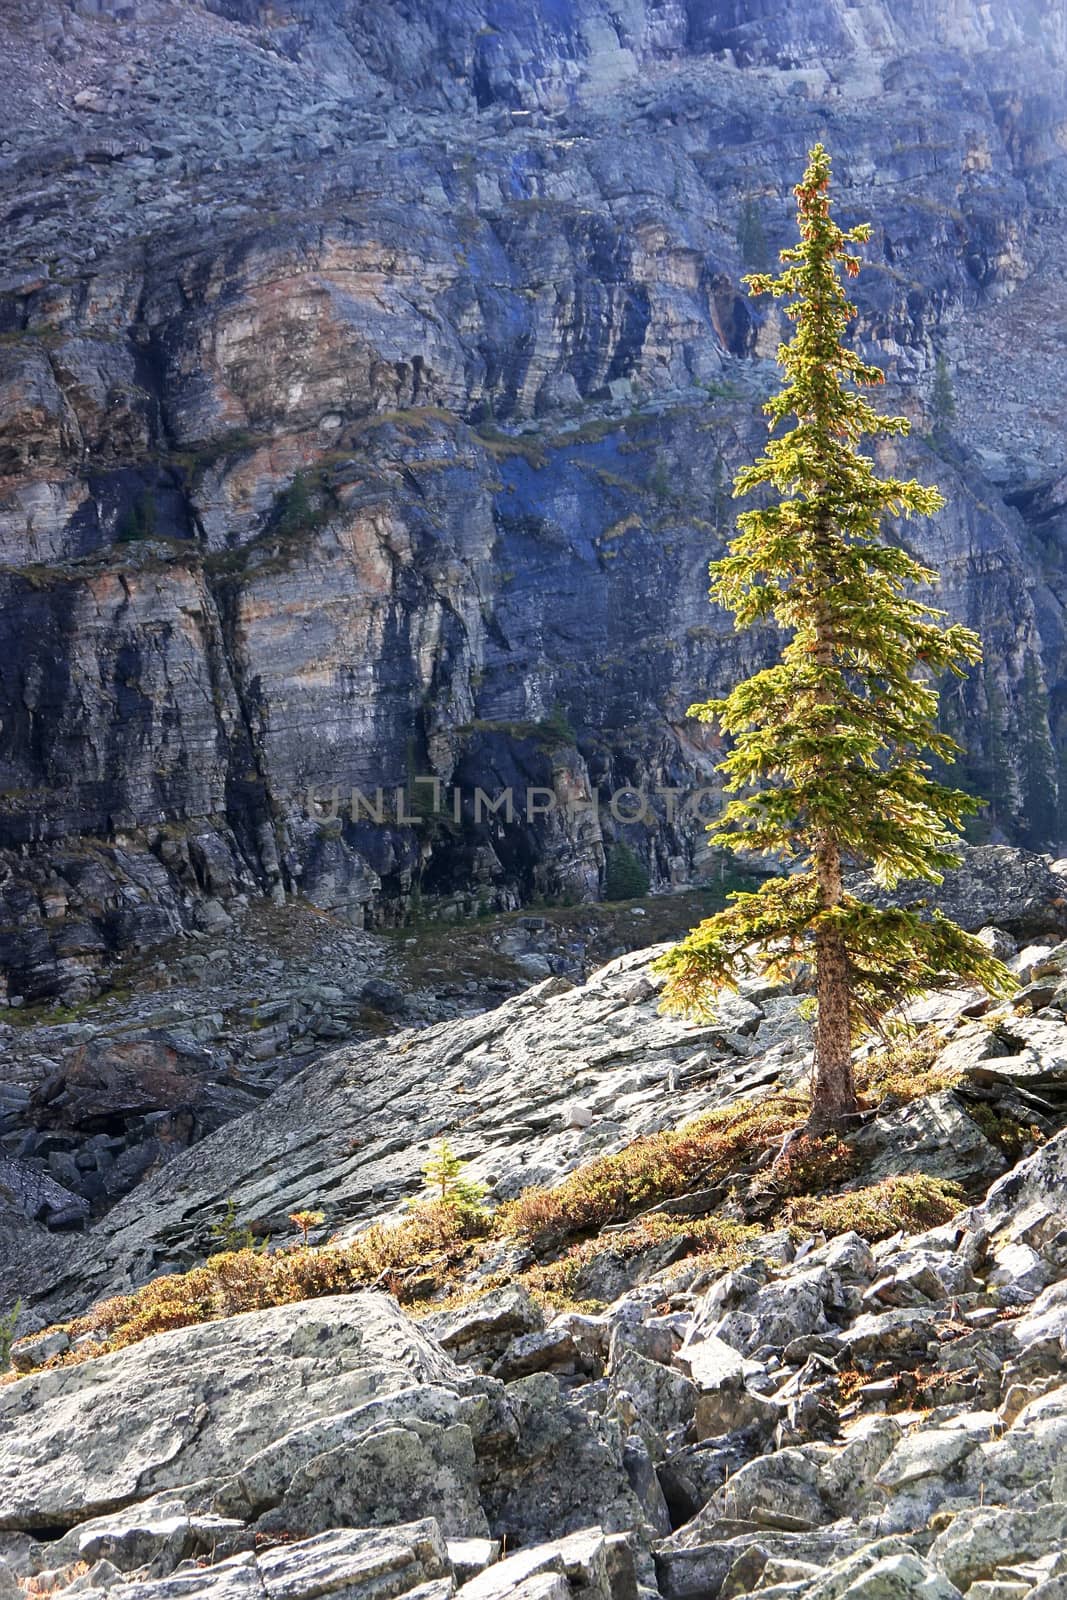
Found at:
(896, 1576)
(1027, 1205)
(980, 1540)
(777, 1312)
(175, 1409)
(574, 1457)
(775, 1491)
(384, 1477)
(35, 1350)
(469, 1557)
(156, 1535)
(383, 996)
(551, 1349)
(595, 1564)
(933, 1135)
(931, 1452)
(370, 1112)
(1021, 894)
(651, 1399)
(481, 1332)
(887, 1333)
(367, 1564)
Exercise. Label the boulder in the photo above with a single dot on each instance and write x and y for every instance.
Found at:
(538, 1437)
(773, 1491)
(979, 1540)
(651, 1398)
(1018, 890)
(551, 1349)
(479, 1333)
(382, 1477)
(365, 1564)
(899, 1575)
(935, 1135)
(1029, 1205)
(156, 1534)
(597, 1565)
(196, 1403)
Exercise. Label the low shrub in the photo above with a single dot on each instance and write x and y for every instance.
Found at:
(1014, 1138)
(717, 1241)
(813, 1165)
(657, 1167)
(408, 1257)
(910, 1203)
(8, 1324)
(432, 1249)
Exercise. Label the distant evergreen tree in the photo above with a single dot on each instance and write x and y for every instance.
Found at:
(625, 877)
(826, 765)
(1037, 763)
(556, 729)
(139, 522)
(295, 512)
(752, 238)
(942, 399)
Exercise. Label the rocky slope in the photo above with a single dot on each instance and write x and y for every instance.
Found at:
(95, 1097)
(824, 1415)
(526, 1091)
(369, 382)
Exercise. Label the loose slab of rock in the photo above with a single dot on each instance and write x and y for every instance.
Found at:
(600, 1565)
(196, 1403)
(360, 1563)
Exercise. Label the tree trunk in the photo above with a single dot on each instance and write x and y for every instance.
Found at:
(833, 1099)
(833, 1092)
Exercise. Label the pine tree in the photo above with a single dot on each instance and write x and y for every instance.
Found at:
(1037, 763)
(447, 1186)
(295, 513)
(625, 877)
(751, 237)
(942, 398)
(826, 765)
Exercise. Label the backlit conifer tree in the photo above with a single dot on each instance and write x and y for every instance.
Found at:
(826, 765)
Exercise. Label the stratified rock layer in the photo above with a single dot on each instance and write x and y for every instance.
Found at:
(473, 275)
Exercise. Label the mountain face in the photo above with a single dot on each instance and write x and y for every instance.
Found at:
(372, 378)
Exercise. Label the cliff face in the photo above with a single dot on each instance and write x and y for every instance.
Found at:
(372, 379)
